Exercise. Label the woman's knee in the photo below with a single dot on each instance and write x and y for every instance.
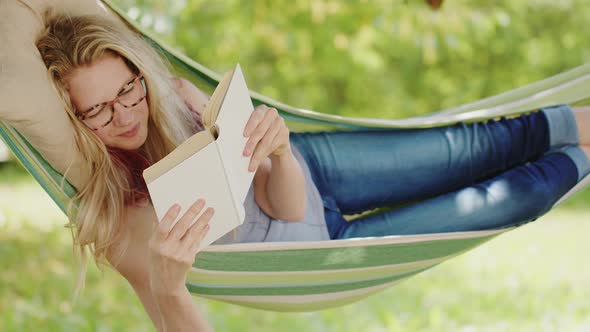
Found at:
(498, 203)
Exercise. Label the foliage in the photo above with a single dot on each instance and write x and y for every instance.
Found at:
(376, 58)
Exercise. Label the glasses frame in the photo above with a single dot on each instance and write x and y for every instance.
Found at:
(110, 105)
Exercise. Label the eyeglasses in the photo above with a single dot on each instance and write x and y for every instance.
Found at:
(101, 115)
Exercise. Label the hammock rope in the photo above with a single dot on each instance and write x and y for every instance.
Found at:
(307, 276)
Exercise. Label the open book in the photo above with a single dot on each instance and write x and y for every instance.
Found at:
(210, 164)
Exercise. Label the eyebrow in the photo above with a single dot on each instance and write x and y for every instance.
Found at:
(120, 90)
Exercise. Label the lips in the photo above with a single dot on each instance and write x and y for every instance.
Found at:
(131, 132)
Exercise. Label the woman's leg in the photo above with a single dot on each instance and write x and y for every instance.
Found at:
(360, 170)
(516, 196)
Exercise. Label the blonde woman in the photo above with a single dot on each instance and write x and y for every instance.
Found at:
(129, 112)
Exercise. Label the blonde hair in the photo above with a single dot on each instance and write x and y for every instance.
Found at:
(96, 211)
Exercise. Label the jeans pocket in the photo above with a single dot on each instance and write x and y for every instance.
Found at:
(335, 222)
(330, 204)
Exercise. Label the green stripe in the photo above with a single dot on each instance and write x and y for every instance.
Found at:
(311, 305)
(30, 164)
(49, 172)
(34, 163)
(214, 279)
(297, 290)
(333, 258)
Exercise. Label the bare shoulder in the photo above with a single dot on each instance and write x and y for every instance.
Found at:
(192, 95)
(129, 256)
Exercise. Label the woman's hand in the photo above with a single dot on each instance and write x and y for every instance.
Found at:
(268, 136)
(173, 248)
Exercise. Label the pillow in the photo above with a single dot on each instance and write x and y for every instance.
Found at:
(28, 102)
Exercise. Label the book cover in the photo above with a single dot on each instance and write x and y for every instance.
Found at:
(210, 164)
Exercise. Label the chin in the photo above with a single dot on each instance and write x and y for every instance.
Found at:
(137, 144)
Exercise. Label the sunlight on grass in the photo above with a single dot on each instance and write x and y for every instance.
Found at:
(535, 278)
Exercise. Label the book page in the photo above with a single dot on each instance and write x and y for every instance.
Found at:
(231, 121)
(199, 176)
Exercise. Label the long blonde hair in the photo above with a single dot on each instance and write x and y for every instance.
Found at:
(70, 42)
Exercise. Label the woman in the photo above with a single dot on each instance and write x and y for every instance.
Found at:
(128, 113)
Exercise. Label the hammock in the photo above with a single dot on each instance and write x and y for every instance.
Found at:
(307, 276)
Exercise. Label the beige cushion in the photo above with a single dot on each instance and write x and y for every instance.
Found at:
(28, 102)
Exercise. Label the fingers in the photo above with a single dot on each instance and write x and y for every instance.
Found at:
(264, 147)
(198, 230)
(261, 121)
(195, 235)
(269, 136)
(187, 219)
(166, 223)
(255, 118)
(279, 148)
(173, 247)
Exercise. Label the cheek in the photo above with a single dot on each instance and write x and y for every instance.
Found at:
(146, 112)
(145, 115)
(103, 135)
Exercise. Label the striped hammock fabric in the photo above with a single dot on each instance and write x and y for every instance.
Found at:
(306, 276)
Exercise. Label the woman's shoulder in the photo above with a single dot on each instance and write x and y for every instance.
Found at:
(194, 97)
(129, 254)
(139, 221)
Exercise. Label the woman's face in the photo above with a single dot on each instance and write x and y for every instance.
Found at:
(103, 81)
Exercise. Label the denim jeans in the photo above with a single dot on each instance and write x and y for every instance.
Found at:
(463, 177)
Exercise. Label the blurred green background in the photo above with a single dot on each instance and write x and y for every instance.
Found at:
(388, 59)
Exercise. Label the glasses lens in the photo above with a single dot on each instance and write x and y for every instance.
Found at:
(101, 115)
(98, 116)
(131, 93)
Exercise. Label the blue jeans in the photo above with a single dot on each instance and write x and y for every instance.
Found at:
(462, 177)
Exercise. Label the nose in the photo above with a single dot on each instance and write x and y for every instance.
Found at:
(122, 116)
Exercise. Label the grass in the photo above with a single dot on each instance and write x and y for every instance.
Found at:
(536, 278)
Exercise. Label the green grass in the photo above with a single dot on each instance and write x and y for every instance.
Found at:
(536, 278)
(12, 173)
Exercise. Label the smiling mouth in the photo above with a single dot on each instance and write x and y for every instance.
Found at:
(131, 132)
